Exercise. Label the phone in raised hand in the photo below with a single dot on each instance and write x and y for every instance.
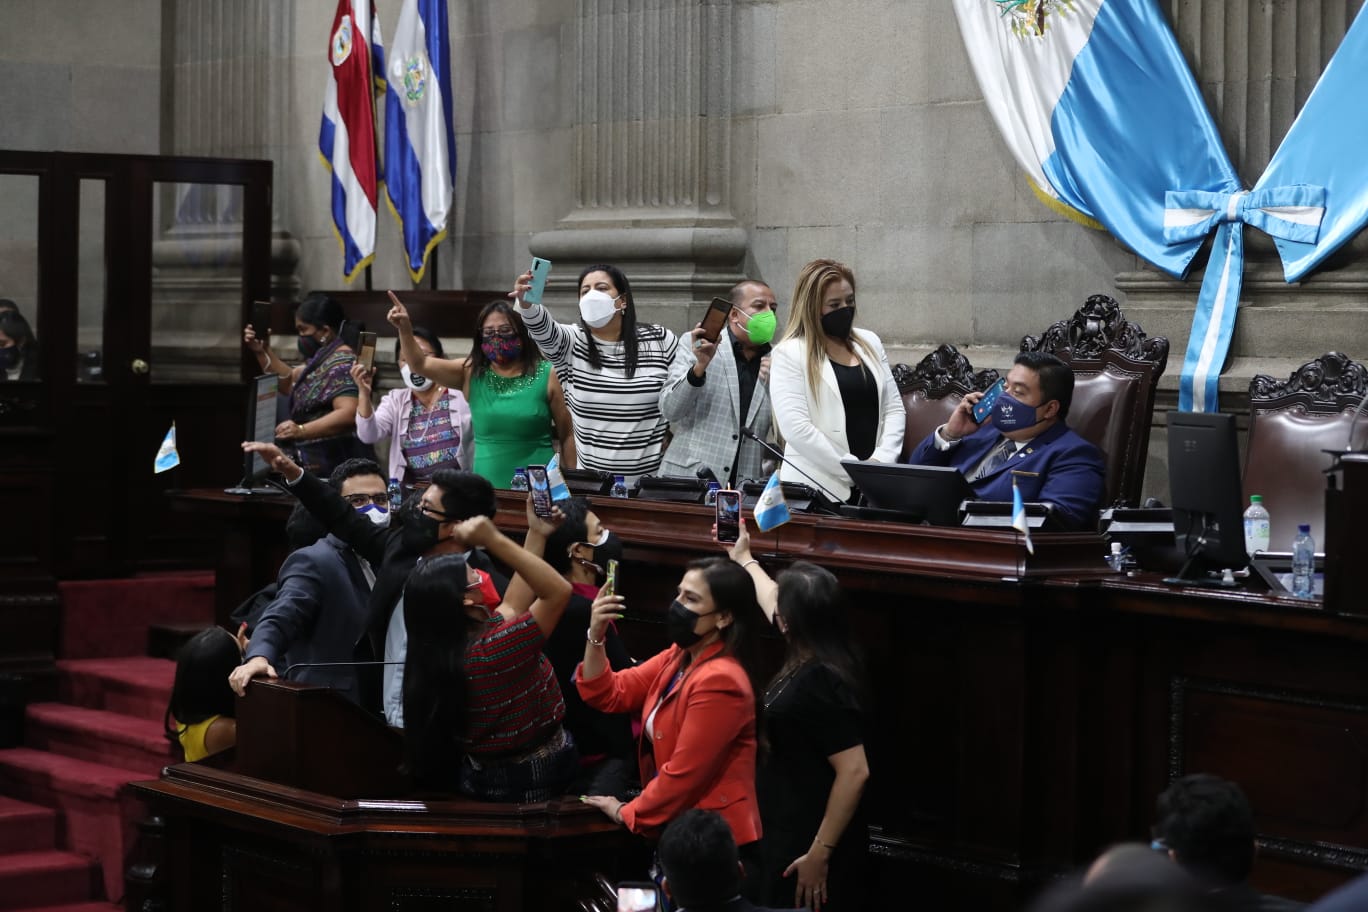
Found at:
(261, 320)
(728, 516)
(540, 270)
(715, 319)
(610, 578)
(984, 407)
(365, 354)
(540, 486)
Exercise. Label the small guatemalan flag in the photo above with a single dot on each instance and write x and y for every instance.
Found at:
(1019, 520)
(167, 456)
(771, 511)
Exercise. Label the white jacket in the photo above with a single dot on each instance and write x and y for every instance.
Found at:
(813, 421)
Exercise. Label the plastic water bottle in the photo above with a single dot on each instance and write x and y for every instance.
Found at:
(619, 488)
(519, 482)
(1256, 525)
(1303, 563)
(396, 494)
(710, 497)
(1117, 558)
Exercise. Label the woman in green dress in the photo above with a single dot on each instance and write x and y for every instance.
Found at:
(517, 409)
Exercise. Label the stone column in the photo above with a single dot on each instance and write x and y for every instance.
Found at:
(228, 94)
(652, 156)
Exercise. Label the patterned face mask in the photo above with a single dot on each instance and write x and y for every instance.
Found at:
(502, 349)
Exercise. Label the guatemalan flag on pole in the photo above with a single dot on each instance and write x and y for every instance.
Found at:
(346, 140)
(420, 148)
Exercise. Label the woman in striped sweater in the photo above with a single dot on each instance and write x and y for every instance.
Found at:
(611, 368)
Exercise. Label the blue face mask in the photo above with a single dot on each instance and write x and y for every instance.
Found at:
(1011, 414)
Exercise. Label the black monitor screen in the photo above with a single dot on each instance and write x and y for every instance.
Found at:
(1204, 484)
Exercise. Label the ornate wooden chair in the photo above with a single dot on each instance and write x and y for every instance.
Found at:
(1290, 422)
(1116, 375)
(931, 390)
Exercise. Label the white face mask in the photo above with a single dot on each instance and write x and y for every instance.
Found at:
(376, 515)
(597, 308)
(415, 382)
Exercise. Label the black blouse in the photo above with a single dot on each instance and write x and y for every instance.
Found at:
(860, 396)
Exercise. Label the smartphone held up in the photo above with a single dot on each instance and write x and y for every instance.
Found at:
(728, 509)
(540, 487)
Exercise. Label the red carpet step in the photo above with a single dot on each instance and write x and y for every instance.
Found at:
(107, 618)
(47, 876)
(99, 736)
(135, 686)
(99, 818)
(77, 907)
(26, 827)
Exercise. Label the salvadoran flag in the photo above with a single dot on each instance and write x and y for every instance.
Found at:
(771, 510)
(168, 457)
(420, 146)
(346, 139)
(1019, 520)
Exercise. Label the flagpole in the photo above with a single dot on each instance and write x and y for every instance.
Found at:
(432, 274)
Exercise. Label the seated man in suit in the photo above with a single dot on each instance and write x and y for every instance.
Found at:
(319, 612)
(721, 388)
(1025, 440)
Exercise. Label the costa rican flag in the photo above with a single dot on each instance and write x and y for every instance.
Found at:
(420, 148)
(346, 140)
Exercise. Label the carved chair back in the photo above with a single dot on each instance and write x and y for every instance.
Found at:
(1290, 422)
(1116, 375)
(931, 390)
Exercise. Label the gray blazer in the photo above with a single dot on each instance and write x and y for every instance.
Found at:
(705, 420)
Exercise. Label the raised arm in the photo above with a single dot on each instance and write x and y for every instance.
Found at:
(446, 371)
(766, 589)
(555, 340)
(547, 592)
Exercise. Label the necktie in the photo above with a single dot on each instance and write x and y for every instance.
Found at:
(1000, 454)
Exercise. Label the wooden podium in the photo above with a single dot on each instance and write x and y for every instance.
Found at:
(310, 812)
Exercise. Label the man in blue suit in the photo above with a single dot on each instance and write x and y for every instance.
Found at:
(1026, 440)
(320, 612)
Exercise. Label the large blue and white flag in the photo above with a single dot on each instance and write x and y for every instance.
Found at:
(346, 137)
(420, 146)
(771, 510)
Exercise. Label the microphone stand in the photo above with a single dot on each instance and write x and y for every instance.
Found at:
(835, 501)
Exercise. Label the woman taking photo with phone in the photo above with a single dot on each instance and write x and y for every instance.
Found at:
(428, 424)
(813, 772)
(322, 422)
(517, 409)
(613, 369)
(696, 701)
(833, 392)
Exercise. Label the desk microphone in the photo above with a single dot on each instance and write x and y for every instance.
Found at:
(747, 432)
(286, 674)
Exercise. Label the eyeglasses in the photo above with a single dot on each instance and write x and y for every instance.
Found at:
(431, 511)
(361, 500)
(500, 333)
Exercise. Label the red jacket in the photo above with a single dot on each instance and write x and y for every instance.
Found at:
(703, 752)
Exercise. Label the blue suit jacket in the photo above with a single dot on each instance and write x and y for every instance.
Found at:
(319, 614)
(1058, 467)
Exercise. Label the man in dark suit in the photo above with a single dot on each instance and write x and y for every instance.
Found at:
(1026, 441)
(1206, 824)
(702, 869)
(319, 612)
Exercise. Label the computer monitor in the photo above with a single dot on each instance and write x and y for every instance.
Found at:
(1204, 485)
(261, 425)
(931, 494)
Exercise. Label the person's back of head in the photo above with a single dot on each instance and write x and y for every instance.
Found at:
(572, 530)
(699, 859)
(1208, 825)
(200, 690)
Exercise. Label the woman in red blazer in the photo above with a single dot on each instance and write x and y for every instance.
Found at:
(696, 700)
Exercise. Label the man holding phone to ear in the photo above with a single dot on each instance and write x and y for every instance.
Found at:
(721, 388)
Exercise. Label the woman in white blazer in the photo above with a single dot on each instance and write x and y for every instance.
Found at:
(833, 393)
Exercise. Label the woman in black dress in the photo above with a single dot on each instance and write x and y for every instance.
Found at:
(813, 768)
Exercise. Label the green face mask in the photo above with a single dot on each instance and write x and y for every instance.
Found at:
(760, 327)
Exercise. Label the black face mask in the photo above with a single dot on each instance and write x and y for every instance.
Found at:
(680, 623)
(420, 532)
(610, 549)
(309, 346)
(838, 323)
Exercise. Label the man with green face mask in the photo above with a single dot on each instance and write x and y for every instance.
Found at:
(722, 388)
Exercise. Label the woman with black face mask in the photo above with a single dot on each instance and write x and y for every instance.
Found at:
(833, 392)
(697, 700)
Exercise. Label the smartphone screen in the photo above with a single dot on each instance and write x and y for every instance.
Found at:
(728, 516)
(540, 270)
(366, 355)
(637, 897)
(984, 407)
(715, 319)
(610, 578)
(261, 319)
(541, 490)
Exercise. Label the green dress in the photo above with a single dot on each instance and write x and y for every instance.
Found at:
(511, 419)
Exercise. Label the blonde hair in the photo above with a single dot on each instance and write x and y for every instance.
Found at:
(805, 315)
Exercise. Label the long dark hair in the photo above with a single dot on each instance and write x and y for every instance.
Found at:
(813, 608)
(630, 335)
(733, 591)
(318, 309)
(531, 354)
(201, 690)
(436, 691)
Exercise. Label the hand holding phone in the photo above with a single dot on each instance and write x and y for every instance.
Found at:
(366, 354)
(716, 319)
(540, 270)
(728, 509)
(984, 407)
(261, 319)
(540, 488)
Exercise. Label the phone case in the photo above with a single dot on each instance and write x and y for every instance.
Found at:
(540, 270)
(728, 516)
(541, 490)
(984, 407)
(715, 320)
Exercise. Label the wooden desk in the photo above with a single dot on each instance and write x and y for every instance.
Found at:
(1030, 711)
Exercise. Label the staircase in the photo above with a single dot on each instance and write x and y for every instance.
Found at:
(67, 823)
